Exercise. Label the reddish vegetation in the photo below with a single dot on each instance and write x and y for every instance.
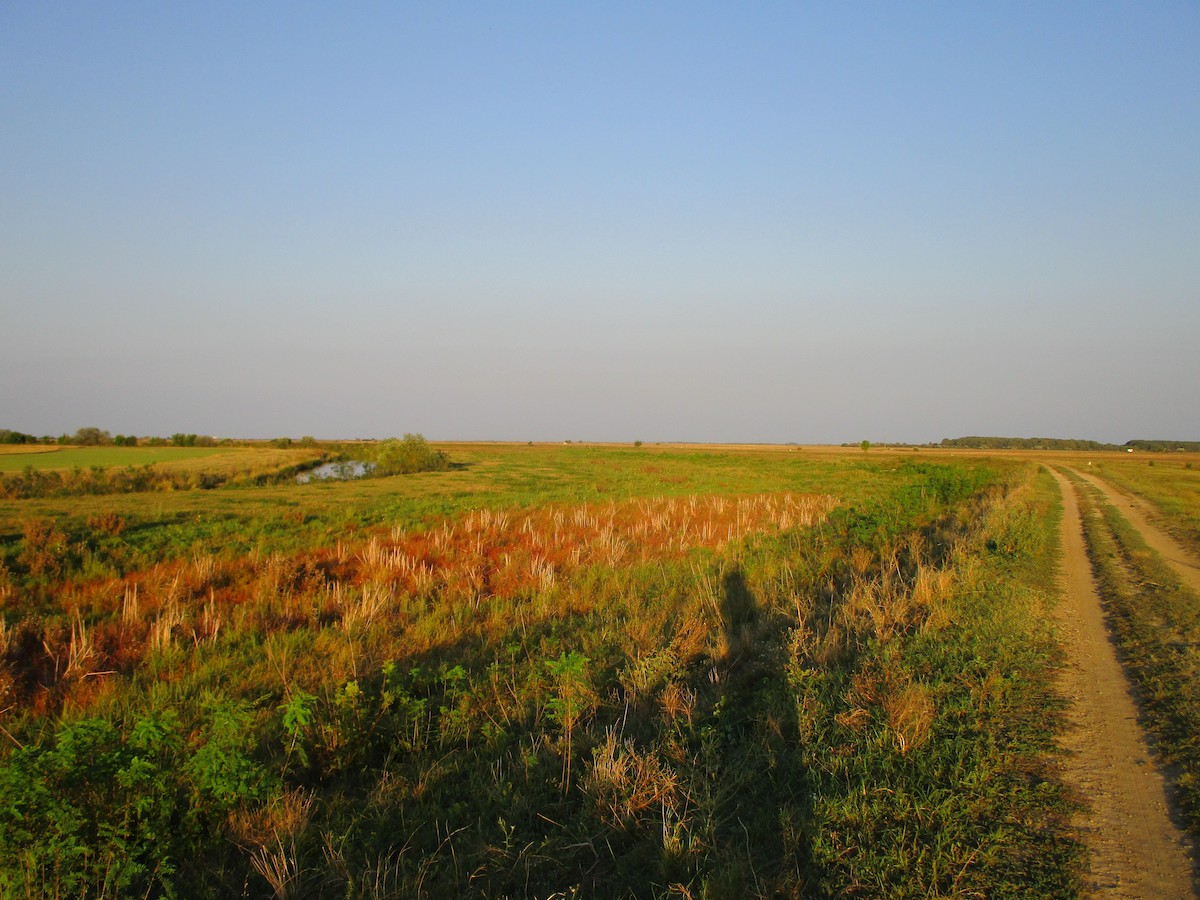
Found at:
(486, 554)
(504, 554)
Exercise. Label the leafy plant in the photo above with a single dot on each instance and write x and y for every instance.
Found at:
(573, 699)
(408, 455)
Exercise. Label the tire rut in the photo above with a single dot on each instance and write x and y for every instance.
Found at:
(1137, 512)
(1136, 849)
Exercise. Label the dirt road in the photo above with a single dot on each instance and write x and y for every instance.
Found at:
(1137, 851)
(1137, 511)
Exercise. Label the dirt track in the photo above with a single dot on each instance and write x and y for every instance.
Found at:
(1136, 511)
(1137, 851)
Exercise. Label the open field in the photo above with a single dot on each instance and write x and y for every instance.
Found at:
(27, 449)
(653, 671)
(214, 458)
(138, 470)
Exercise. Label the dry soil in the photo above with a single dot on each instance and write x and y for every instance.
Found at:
(1136, 848)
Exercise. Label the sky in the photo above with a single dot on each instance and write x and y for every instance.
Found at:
(727, 222)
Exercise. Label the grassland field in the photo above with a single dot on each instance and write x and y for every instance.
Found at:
(87, 457)
(552, 670)
(27, 449)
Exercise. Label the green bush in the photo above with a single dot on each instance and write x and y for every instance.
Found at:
(412, 454)
(96, 813)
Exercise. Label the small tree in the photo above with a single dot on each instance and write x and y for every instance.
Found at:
(574, 698)
(866, 445)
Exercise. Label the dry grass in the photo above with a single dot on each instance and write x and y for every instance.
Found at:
(627, 785)
(503, 553)
(19, 449)
(236, 462)
(284, 818)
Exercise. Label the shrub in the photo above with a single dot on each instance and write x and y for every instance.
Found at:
(97, 813)
(412, 454)
(46, 551)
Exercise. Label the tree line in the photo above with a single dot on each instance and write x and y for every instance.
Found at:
(1042, 443)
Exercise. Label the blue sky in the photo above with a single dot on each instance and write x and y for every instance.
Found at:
(709, 222)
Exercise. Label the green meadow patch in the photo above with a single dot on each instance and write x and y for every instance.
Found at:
(86, 457)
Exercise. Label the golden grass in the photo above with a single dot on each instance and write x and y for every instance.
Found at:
(239, 461)
(18, 449)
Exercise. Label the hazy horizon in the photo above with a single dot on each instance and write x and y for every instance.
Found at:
(810, 224)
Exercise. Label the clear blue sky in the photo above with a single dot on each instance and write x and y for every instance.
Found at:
(665, 221)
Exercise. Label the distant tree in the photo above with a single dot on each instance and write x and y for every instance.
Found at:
(8, 436)
(308, 441)
(205, 440)
(282, 443)
(119, 440)
(637, 443)
(866, 445)
(1185, 446)
(91, 437)
(183, 440)
(975, 442)
(412, 454)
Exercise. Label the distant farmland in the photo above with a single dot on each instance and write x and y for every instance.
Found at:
(85, 457)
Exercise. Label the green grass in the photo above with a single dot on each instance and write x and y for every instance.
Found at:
(85, 457)
(167, 525)
(857, 707)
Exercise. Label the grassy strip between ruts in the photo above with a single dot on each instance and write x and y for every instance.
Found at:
(1172, 486)
(1156, 620)
(852, 708)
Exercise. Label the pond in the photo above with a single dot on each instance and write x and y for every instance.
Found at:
(343, 470)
